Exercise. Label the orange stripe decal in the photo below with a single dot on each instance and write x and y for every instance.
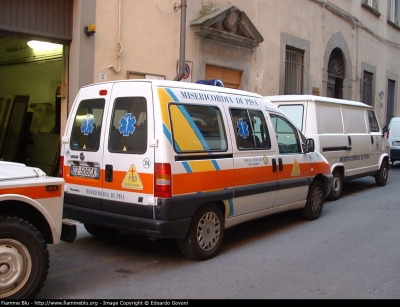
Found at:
(36, 192)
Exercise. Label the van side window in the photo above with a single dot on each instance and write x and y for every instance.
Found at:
(373, 122)
(197, 128)
(295, 114)
(251, 130)
(85, 134)
(128, 129)
(286, 134)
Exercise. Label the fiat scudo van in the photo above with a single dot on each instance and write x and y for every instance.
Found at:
(184, 161)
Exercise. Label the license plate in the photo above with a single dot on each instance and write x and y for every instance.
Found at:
(396, 143)
(85, 171)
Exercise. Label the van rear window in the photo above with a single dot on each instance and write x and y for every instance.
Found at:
(197, 128)
(128, 131)
(85, 134)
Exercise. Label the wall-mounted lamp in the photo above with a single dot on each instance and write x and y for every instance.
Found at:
(90, 30)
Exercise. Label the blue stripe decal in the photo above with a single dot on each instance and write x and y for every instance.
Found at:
(187, 167)
(171, 93)
(176, 146)
(167, 133)
(194, 127)
(216, 166)
(231, 210)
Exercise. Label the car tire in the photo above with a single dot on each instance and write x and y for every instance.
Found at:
(383, 173)
(315, 201)
(24, 259)
(205, 234)
(337, 185)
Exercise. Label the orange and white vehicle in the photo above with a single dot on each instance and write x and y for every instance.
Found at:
(169, 159)
(31, 209)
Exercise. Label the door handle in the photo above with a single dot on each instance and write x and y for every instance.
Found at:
(109, 173)
(280, 164)
(274, 165)
(372, 139)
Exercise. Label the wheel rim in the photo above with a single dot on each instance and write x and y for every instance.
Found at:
(208, 231)
(317, 200)
(15, 266)
(385, 173)
(336, 184)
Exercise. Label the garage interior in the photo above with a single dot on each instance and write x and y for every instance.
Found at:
(31, 73)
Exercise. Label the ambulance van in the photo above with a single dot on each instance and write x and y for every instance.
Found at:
(184, 161)
(346, 132)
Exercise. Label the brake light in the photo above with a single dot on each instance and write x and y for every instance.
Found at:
(61, 166)
(103, 92)
(162, 180)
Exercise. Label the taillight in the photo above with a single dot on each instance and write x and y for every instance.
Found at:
(61, 167)
(162, 180)
(387, 135)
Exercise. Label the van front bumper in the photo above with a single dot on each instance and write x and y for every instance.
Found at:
(163, 229)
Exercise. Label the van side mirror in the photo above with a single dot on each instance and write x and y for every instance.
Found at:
(309, 146)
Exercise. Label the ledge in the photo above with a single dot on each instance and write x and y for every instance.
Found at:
(397, 27)
(371, 9)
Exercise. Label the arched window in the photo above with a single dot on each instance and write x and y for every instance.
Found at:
(336, 70)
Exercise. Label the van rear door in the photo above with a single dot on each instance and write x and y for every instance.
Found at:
(128, 157)
(378, 142)
(83, 153)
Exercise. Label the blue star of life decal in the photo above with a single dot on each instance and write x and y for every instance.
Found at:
(243, 128)
(127, 124)
(87, 124)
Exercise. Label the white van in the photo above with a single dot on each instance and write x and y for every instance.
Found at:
(346, 132)
(393, 136)
(169, 159)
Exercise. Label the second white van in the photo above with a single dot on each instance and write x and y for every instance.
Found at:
(393, 136)
(347, 133)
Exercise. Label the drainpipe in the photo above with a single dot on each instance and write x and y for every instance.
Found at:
(181, 72)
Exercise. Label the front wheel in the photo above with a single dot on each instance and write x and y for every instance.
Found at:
(337, 185)
(24, 259)
(383, 173)
(315, 201)
(205, 234)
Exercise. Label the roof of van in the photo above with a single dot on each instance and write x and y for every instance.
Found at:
(193, 86)
(292, 98)
(180, 84)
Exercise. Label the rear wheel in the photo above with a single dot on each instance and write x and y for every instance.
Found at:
(24, 259)
(315, 201)
(383, 173)
(337, 185)
(205, 234)
(100, 231)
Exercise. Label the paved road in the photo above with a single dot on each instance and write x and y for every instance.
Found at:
(350, 252)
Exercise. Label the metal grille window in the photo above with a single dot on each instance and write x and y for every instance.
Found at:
(393, 11)
(367, 88)
(390, 100)
(294, 68)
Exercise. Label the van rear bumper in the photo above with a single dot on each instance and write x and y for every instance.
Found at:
(394, 154)
(162, 229)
